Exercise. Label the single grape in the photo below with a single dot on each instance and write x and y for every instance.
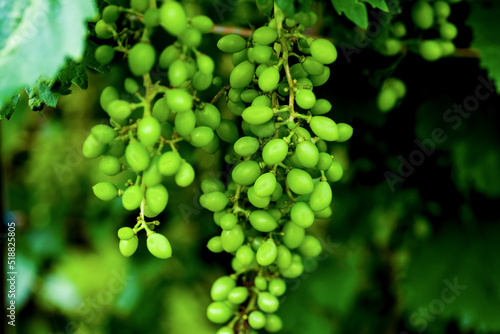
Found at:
(168, 56)
(293, 235)
(323, 51)
(310, 246)
(108, 95)
(392, 47)
(275, 151)
(262, 54)
(128, 247)
(231, 43)
(105, 191)
(157, 198)
(257, 201)
(221, 288)
(218, 312)
(319, 80)
(325, 161)
(277, 287)
(246, 146)
(246, 172)
(266, 129)
(191, 37)
(208, 115)
(295, 270)
(264, 35)
(151, 17)
(203, 23)
(139, 5)
(238, 295)
(225, 330)
(211, 184)
(268, 302)
(302, 215)
(149, 131)
(442, 9)
(284, 257)
(214, 201)
(169, 163)
(448, 31)
(307, 153)
(257, 320)
(126, 233)
(325, 128)
(262, 101)
(159, 246)
(137, 156)
(267, 253)
(345, 132)
(185, 175)
(245, 255)
(312, 66)
(260, 282)
(119, 109)
(321, 196)
(257, 114)
(116, 149)
(300, 182)
(104, 54)
(242, 75)
(228, 221)
(110, 14)
(249, 95)
(232, 239)
(239, 57)
(273, 322)
(141, 58)
(321, 107)
(132, 198)
(110, 165)
(103, 30)
(269, 79)
(236, 108)
(335, 172)
(92, 148)
(214, 244)
(205, 64)
(398, 29)
(173, 18)
(265, 185)
(430, 50)
(262, 221)
(422, 15)
(386, 100)
(228, 131)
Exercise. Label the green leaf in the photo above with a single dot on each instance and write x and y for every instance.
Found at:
(41, 94)
(286, 6)
(380, 4)
(8, 109)
(485, 26)
(353, 10)
(36, 37)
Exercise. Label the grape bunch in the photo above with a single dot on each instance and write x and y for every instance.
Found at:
(280, 182)
(146, 127)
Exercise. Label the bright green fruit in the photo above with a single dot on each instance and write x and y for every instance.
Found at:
(161, 110)
(323, 51)
(191, 37)
(141, 58)
(242, 75)
(108, 95)
(185, 175)
(214, 245)
(119, 109)
(262, 54)
(179, 100)
(232, 239)
(137, 156)
(300, 181)
(218, 312)
(173, 18)
(116, 149)
(325, 128)
(159, 246)
(201, 136)
(177, 73)
(103, 30)
(267, 252)
(264, 35)
(169, 163)
(209, 116)
(319, 80)
(152, 176)
(257, 114)
(273, 322)
(221, 288)
(312, 66)
(260, 282)
(422, 15)
(325, 161)
(392, 47)
(448, 31)
(442, 9)
(284, 257)
(268, 302)
(307, 153)
(397, 85)
(265, 185)
(203, 23)
(246, 172)
(257, 320)
(269, 79)
(246, 146)
(249, 95)
(302, 215)
(262, 221)
(398, 29)
(386, 100)
(335, 172)
(211, 184)
(110, 165)
(321, 197)
(225, 330)
(128, 247)
(430, 50)
(275, 151)
(293, 235)
(92, 148)
(139, 5)
(245, 255)
(310, 246)
(126, 233)
(185, 122)
(149, 131)
(131, 86)
(277, 287)
(231, 43)
(305, 99)
(157, 198)
(151, 17)
(132, 198)
(205, 64)
(110, 14)
(262, 101)
(168, 56)
(214, 201)
(227, 221)
(238, 295)
(105, 191)
(104, 54)
(228, 131)
(257, 201)
(345, 132)
(321, 107)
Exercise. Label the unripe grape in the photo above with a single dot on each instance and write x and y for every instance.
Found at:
(169, 163)
(249, 95)
(116, 149)
(236, 108)
(139, 5)
(201, 136)
(232, 239)
(205, 64)
(128, 247)
(257, 201)
(152, 17)
(119, 109)
(246, 146)
(218, 312)
(264, 35)
(238, 295)
(392, 47)
(323, 51)
(203, 23)
(267, 302)
(267, 252)
(191, 37)
(110, 14)
(335, 172)
(325, 128)
(92, 148)
(108, 95)
(245, 255)
(266, 129)
(430, 50)
(214, 244)
(225, 330)
(221, 288)
(137, 156)
(132, 198)
(302, 215)
(131, 86)
(273, 322)
(152, 176)
(242, 75)
(422, 15)
(208, 115)
(321, 107)
(256, 242)
(168, 56)
(177, 73)
(398, 29)
(442, 9)
(149, 131)
(300, 182)
(293, 235)
(141, 58)
(228, 131)
(386, 100)
(211, 184)
(105, 191)
(321, 196)
(179, 100)
(257, 114)
(214, 201)
(173, 18)
(227, 221)
(275, 151)
(319, 80)
(157, 198)
(262, 100)
(447, 48)
(397, 85)
(231, 43)
(239, 57)
(307, 153)
(278, 191)
(269, 79)
(185, 175)
(310, 246)
(260, 282)
(246, 172)
(325, 161)
(448, 31)
(110, 166)
(284, 257)
(104, 54)
(103, 30)
(262, 221)
(256, 320)
(159, 246)
(262, 54)
(326, 213)
(126, 233)
(312, 66)
(295, 270)
(185, 122)
(277, 287)
(161, 110)
(345, 132)
(265, 185)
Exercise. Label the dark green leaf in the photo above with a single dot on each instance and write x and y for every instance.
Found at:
(380, 4)
(353, 10)
(8, 109)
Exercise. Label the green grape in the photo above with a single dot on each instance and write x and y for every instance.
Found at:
(105, 191)
(269, 79)
(256, 242)
(442, 9)
(448, 31)
(293, 235)
(128, 247)
(345, 132)
(386, 100)
(177, 73)
(265, 35)
(152, 176)
(161, 110)
(225, 330)
(236, 108)
(203, 23)
(228, 131)
(302, 133)
(298, 71)
(246, 146)
(310, 246)
(211, 184)
(238, 295)
(239, 57)
(132, 198)
(304, 83)
(267, 129)
(283, 89)
(168, 56)
(104, 54)
(110, 14)
(108, 95)
(185, 175)
(231, 43)
(275, 151)
(139, 5)
(300, 182)
(321, 107)
(116, 149)
(191, 67)
(392, 47)
(265, 185)
(131, 86)
(167, 130)
(307, 153)
(325, 128)
(246, 172)
(218, 312)
(322, 146)
(262, 54)
(312, 66)
(430, 50)
(157, 198)
(232, 239)
(305, 99)
(257, 320)
(214, 201)
(397, 85)
(321, 197)
(257, 201)
(325, 161)
(295, 270)
(262, 101)
(335, 172)
(422, 15)
(324, 213)
(323, 51)
(284, 257)
(119, 109)
(137, 156)
(149, 131)
(260, 282)
(278, 191)
(262, 221)
(201, 136)
(242, 75)
(260, 69)
(103, 30)
(110, 166)
(221, 288)
(141, 58)
(267, 253)
(159, 246)
(179, 100)
(215, 245)
(92, 148)
(185, 122)
(173, 18)
(245, 255)
(191, 37)
(208, 115)
(267, 302)
(250, 55)
(228, 221)
(151, 17)
(234, 95)
(249, 95)
(319, 80)
(277, 287)
(447, 48)
(398, 29)
(273, 322)
(205, 64)
(126, 233)
(169, 163)
(302, 215)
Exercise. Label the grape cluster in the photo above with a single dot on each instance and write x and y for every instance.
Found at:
(144, 130)
(280, 181)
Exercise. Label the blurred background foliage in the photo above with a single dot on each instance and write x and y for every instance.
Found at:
(389, 254)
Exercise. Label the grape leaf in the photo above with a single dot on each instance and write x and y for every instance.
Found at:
(483, 20)
(353, 10)
(380, 4)
(8, 109)
(36, 37)
(286, 6)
